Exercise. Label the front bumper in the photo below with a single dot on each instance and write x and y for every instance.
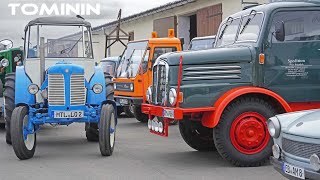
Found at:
(277, 164)
(130, 100)
(167, 114)
(179, 113)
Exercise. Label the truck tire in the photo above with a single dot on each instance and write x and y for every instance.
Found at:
(92, 132)
(107, 133)
(196, 136)
(9, 105)
(129, 111)
(139, 115)
(24, 148)
(242, 137)
(2, 121)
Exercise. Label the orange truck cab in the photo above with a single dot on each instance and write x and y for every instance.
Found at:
(134, 74)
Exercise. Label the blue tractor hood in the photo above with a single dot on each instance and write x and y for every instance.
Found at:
(66, 68)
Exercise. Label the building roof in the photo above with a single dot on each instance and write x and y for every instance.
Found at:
(149, 12)
(60, 20)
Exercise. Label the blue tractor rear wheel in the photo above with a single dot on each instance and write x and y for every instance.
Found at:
(23, 144)
(107, 132)
(9, 96)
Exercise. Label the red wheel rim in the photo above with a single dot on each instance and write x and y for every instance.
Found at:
(249, 133)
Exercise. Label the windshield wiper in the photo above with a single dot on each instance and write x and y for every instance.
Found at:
(63, 51)
(253, 12)
(224, 29)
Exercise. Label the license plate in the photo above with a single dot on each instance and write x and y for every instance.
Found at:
(68, 114)
(124, 101)
(293, 171)
(167, 113)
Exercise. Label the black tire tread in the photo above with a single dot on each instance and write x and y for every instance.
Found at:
(17, 134)
(190, 132)
(143, 118)
(9, 95)
(219, 131)
(104, 142)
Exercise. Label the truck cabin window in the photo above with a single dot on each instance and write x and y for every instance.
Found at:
(108, 67)
(246, 28)
(201, 44)
(131, 59)
(158, 51)
(60, 41)
(298, 25)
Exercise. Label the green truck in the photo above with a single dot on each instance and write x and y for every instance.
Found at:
(9, 59)
(266, 61)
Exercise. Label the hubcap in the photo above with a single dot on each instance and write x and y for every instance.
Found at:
(112, 130)
(249, 133)
(29, 139)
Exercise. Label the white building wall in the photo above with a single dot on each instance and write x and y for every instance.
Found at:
(143, 27)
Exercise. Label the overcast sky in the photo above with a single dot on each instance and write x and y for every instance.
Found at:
(12, 25)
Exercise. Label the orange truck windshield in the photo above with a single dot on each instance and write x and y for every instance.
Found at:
(132, 58)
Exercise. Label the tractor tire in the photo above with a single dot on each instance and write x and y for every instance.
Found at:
(107, 133)
(242, 137)
(9, 105)
(129, 111)
(2, 121)
(109, 87)
(139, 115)
(24, 148)
(196, 136)
(92, 131)
(1, 88)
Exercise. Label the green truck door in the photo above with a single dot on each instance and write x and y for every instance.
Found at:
(292, 67)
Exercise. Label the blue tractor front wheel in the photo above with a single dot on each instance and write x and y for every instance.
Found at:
(107, 130)
(23, 142)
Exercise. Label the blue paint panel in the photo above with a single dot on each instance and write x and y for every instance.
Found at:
(97, 78)
(60, 68)
(22, 96)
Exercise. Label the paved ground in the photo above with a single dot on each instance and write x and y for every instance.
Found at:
(64, 153)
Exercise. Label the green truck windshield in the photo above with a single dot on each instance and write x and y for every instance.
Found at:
(246, 28)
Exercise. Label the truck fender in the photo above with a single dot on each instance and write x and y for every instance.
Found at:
(22, 96)
(97, 78)
(211, 119)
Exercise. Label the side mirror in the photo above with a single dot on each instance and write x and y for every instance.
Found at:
(280, 31)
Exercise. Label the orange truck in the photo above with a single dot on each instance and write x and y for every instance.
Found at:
(134, 74)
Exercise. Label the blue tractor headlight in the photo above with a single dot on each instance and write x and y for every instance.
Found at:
(33, 89)
(97, 88)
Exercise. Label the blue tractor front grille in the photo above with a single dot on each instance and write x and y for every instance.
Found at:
(57, 90)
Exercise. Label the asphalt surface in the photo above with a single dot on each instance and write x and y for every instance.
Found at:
(64, 153)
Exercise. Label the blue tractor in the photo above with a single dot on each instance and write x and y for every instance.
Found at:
(59, 84)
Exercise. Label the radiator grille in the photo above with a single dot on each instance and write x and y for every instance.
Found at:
(300, 149)
(77, 89)
(211, 73)
(159, 84)
(56, 90)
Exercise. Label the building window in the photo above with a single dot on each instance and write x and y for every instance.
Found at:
(131, 36)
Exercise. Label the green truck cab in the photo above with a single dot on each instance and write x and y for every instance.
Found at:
(266, 61)
(9, 59)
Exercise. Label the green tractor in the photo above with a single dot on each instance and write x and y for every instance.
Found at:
(9, 59)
